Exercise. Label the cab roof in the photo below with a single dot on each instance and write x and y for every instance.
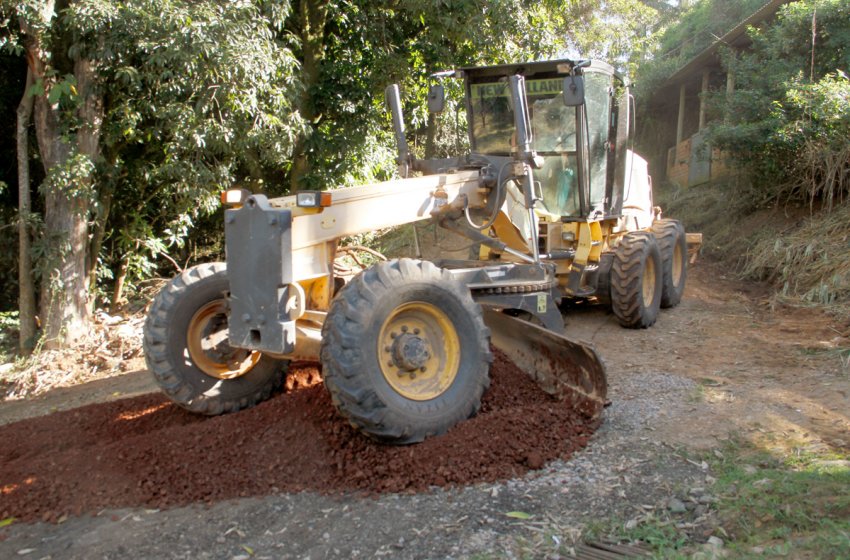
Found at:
(559, 66)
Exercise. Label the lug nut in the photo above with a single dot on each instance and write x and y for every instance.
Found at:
(412, 375)
(422, 368)
(393, 335)
(388, 349)
(390, 363)
(404, 328)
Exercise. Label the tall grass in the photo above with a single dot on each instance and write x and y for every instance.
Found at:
(809, 262)
(803, 250)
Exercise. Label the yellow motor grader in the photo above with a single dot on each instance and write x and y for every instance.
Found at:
(552, 196)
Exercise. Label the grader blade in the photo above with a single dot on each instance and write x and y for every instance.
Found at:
(567, 369)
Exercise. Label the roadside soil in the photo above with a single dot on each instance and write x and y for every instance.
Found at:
(725, 362)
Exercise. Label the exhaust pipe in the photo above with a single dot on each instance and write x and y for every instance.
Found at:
(394, 103)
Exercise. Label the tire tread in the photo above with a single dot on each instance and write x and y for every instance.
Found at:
(159, 339)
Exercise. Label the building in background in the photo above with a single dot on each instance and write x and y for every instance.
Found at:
(687, 160)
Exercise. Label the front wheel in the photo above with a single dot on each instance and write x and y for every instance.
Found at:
(405, 352)
(186, 347)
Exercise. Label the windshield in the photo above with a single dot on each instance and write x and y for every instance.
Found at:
(553, 127)
(552, 123)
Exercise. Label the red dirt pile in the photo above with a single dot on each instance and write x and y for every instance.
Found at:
(147, 452)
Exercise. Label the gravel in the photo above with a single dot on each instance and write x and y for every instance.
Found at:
(623, 474)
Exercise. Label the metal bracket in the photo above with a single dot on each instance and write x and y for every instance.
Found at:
(258, 241)
(540, 304)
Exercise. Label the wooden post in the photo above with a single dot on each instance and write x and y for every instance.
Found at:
(730, 89)
(680, 126)
(702, 97)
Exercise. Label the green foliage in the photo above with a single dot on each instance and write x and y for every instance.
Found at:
(791, 132)
(682, 35)
(787, 124)
(702, 24)
(369, 46)
(199, 97)
(196, 97)
(72, 177)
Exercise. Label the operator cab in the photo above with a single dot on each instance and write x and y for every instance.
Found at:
(582, 147)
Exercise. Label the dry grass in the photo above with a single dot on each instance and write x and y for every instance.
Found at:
(800, 250)
(717, 211)
(810, 262)
(824, 173)
(112, 345)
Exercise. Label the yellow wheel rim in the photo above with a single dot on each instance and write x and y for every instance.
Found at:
(419, 351)
(678, 264)
(206, 339)
(648, 282)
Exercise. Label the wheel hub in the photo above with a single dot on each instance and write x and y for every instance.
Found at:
(419, 351)
(208, 346)
(648, 292)
(410, 352)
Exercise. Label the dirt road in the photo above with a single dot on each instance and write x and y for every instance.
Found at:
(721, 363)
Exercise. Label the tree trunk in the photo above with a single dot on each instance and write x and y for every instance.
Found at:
(431, 136)
(120, 279)
(312, 15)
(57, 289)
(67, 204)
(26, 286)
(96, 244)
(64, 300)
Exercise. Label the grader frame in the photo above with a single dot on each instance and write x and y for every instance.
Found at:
(405, 346)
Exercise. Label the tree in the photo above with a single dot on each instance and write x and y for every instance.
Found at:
(67, 154)
(162, 102)
(26, 285)
(788, 121)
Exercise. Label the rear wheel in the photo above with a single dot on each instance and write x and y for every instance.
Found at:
(405, 352)
(186, 347)
(636, 280)
(673, 244)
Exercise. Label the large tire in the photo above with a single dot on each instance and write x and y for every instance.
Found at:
(673, 244)
(405, 352)
(636, 280)
(186, 348)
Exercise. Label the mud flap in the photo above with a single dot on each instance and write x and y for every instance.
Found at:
(567, 369)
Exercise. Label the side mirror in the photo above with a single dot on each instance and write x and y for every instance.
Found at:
(436, 98)
(573, 91)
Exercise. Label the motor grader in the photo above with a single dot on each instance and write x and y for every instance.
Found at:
(551, 195)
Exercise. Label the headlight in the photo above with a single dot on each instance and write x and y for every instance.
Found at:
(312, 199)
(235, 197)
